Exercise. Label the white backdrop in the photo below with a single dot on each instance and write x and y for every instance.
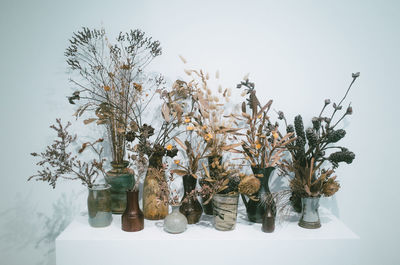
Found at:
(297, 52)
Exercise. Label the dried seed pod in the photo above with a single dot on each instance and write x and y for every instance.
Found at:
(316, 123)
(311, 137)
(299, 127)
(335, 136)
(249, 185)
(330, 187)
(342, 156)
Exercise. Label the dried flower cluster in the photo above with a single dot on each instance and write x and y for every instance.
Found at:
(264, 145)
(312, 150)
(113, 84)
(57, 162)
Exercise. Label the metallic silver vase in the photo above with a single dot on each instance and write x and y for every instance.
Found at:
(309, 215)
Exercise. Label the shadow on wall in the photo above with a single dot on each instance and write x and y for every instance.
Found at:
(23, 227)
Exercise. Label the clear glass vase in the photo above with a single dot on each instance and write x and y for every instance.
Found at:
(309, 214)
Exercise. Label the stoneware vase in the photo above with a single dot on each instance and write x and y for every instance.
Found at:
(120, 179)
(225, 211)
(153, 209)
(268, 223)
(309, 214)
(132, 219)
(190, 206)
(257, 209)
(175, 222)
(99, 205)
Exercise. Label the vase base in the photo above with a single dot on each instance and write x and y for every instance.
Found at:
(309, 225)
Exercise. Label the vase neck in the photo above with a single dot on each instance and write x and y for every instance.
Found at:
(155, 162)
(189, 184)
(264, 179)
(132, 199)
(175, 208)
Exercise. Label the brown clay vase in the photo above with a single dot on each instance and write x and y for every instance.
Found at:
(268, 223)
(190, 206)
(132, 218)
(153, 209)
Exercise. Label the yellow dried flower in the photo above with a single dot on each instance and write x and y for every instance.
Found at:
(258, 145)
(190, 128)
(177, 161)
(138, 87)
(208, 136)
(107, 88)
(187, 120)
(169, 147)
(275, 134)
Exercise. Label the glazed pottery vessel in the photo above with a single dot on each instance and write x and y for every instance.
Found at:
(153, 209)
(175, 222)
(132, 219)
(120, 179)
(257, 209)
(190, 206)
(225, 211)
(99, 205)
(309, 214)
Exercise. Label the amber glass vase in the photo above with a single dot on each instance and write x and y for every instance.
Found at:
(153, 209)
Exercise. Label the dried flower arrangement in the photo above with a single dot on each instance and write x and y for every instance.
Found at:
(312, 150)
(58, 162)
(114, 86)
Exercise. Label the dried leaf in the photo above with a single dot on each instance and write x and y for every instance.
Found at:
(87, 121)
(179, 172)
(165, 112)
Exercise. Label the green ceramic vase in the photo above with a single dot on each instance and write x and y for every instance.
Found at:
(99, 205)
(121, 179)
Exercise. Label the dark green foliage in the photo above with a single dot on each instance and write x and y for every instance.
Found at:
(342, 156)
(311, 137)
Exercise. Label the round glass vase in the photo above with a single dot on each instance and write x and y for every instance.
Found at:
(309, 214)
(225, 208)
(175, 222)
(99, 205)
(120, 179)
(190, 206)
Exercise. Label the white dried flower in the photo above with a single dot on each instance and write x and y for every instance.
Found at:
(219, 89)
(182, 59)
(243, 94)
(217, 74)
(188, 72)
(229, 92)
(246, 77)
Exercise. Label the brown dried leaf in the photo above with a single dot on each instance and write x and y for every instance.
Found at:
(88, 121)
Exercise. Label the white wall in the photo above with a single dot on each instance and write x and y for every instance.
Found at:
(298, 53)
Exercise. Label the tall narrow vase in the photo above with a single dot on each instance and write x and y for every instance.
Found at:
(120, 179)
(190, 207)
(225, 211)
(99, 205)
(132, 218)
(309, 214)
(257, 209)
(153, 208)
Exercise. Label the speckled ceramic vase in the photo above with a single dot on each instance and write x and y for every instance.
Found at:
(152, 208)
(309, 215)
(225, 211)
(99, 205)
(120, 179)
(175, 222)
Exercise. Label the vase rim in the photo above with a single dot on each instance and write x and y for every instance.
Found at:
(227, 195)
(124, 163)
(103, 186)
